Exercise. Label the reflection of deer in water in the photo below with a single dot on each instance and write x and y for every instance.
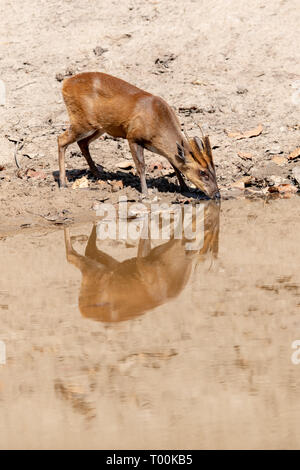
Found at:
(113, 291)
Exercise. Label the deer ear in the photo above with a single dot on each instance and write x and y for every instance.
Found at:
(198, 151)
(199, 144)
(208, 151)
(204, 148)
(180, 153)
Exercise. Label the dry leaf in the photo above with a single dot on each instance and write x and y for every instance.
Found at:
(294, 154)
(81, 183)
(157, 165)
(245, 156)
(246, 135)
(199, 82)
(279, 160)
(117, 185)
(283, 188)
(2, 167)
(40, 175)
(234, 135)
(238, 184)
(257, 191)
(246, 179)
(242, 182)
(124, 165)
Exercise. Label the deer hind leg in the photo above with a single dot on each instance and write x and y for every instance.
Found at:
(138, 156)
(84, 147)
(64, 140)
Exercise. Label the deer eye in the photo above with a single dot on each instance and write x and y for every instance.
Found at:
(203, 174)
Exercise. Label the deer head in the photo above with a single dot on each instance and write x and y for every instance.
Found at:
(196, 163)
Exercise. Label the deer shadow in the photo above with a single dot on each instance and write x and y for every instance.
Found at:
(161, 183)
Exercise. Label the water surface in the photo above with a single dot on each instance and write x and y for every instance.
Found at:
(145, 344)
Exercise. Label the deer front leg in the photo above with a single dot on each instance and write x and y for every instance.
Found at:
(183, 187)
(138, 156)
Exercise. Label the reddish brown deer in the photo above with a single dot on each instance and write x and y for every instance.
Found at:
(113, 291)
(99, 103)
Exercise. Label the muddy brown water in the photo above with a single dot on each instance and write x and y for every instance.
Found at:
(139, 344)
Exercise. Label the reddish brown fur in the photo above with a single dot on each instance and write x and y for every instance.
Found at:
(98, 103)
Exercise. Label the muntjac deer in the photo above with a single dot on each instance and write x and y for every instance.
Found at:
(99, 103)
(113, 291)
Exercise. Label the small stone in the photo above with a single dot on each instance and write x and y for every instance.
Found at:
(277, 180)
(59, 77)
(241, 91)
(99, 50)
(296, 174)
(167, 172)
(276, 150)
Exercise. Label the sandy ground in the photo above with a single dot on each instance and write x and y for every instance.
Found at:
(228, 65)
(221, 363)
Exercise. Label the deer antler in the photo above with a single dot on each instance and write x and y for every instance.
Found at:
(186, 134)
(201, 130)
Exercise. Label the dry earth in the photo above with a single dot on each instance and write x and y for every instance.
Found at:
(228, 65)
